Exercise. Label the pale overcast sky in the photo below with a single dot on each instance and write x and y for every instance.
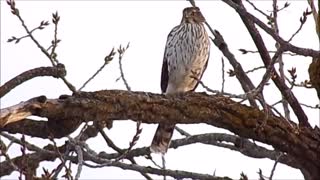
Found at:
(89, 30)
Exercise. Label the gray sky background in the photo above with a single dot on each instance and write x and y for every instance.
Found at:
(90, 29)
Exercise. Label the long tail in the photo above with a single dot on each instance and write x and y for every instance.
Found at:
(162, 138)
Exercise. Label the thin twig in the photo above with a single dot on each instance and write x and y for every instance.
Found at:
(80, 162)
(77, 146)
(16, 12)
(109, 141)
(245, 51)
(62, 159)
(282, 8)
(274, 166)
(257, 9)
(317, 106)
(121, 52)
(133, 141)
(303, 20)
(269, 71)
(182, 132)
(304, 84)
(4, 152)
(223, 79)
(55, 21)
(163, 159)
(149, 157)
(42, 25)
(218, 92)
(242, 77)
(278, 102)
(261, 176)
(23, 150)
(29, 146)
(275, 27)
(254, 69)
(107, 60)
(119, 150)
(57, 171)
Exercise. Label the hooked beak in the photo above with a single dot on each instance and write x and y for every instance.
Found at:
(199, 17)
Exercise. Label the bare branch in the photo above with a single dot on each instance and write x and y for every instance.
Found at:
(255, 69)
(287, 46)
(53, 60)
(279, 57)
(274, 166)
(177, 174)
(42, 25)
(244, 51)
(303, 20)
(133, 141)
(317, 106)
(61, 156)
(107, 60)
(122, 153)
(256, 37)
(242, 77)
(16, 12)
(228, 141)
(121, 52)
(182, 132)
(80, 157)
(55, 72)
(257, 9)
(222, 72)
(54, 43)
(218, 111)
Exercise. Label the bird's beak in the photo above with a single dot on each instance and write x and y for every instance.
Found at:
(200, 17)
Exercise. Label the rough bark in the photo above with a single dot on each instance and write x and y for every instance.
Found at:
(301, 143)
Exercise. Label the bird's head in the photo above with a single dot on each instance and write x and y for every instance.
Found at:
(192, 15)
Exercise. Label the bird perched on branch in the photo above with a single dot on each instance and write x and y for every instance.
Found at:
(185, 60)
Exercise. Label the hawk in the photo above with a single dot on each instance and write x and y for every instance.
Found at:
(185, 60)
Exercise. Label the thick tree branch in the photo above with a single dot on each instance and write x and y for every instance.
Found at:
(302, 144)
(56, 72)
(21, 111)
